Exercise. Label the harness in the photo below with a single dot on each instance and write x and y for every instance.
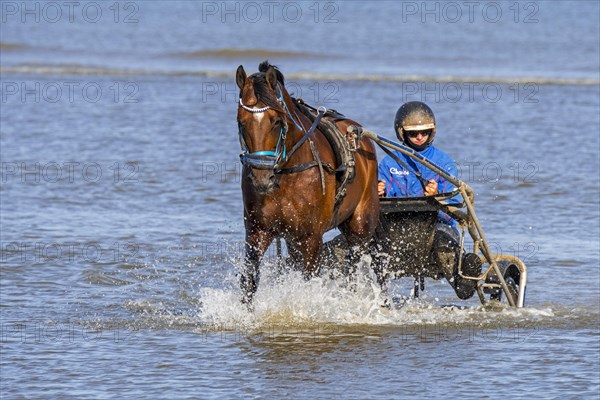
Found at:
(276, 160)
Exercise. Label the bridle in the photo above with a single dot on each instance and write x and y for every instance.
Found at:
(275, 160)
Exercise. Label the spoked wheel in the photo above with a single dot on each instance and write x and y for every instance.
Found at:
(511, 274)
(513, 291)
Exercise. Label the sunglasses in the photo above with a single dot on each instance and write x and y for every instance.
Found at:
(414, 134)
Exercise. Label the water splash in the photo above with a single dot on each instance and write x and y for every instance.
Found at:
(290, 300)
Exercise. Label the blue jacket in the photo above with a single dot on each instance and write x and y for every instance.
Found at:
(400, 182)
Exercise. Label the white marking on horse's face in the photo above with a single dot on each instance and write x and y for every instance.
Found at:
(258, 117)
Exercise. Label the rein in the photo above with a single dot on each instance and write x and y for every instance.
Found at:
(276, 159)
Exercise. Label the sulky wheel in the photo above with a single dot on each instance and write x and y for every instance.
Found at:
(511, 275)
(513, 290)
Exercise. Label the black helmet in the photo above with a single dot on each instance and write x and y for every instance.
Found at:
(414, 116)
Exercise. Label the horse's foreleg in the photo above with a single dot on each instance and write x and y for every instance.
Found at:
(379, 248)
(256, 245)
(311, 250)
(358, 238)
(353, 257)
(295, 255)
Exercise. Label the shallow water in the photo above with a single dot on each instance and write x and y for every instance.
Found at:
(122, 221)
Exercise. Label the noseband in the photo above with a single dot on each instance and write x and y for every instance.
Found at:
(274, 160)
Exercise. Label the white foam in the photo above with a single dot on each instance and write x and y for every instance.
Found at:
(290, 300)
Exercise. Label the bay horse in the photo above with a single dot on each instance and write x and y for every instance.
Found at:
(289, 183)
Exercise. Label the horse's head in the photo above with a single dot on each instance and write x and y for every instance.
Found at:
(262, 123)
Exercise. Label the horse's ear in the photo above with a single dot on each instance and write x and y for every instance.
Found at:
(271, 77)
(240, 77)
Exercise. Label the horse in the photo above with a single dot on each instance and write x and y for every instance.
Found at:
(291, 179)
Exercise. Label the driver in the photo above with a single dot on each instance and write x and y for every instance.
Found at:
(415, 127)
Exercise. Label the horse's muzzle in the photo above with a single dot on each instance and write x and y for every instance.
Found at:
(264, 181)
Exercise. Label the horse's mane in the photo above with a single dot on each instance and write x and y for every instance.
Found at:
(264, 66)
(262, 91)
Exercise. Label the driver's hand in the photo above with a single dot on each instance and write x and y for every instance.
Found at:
(381, 188)
(431, 188)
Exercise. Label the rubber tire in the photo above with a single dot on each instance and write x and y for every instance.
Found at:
(513, 288)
